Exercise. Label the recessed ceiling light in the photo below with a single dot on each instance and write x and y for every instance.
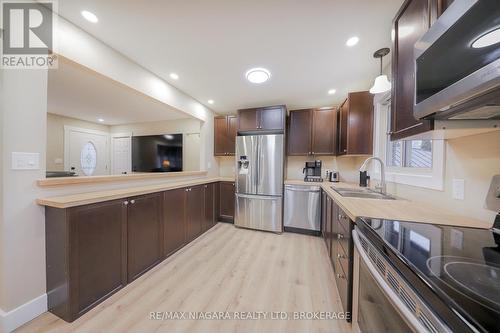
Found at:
(174, 76)
(488, 39)
(91, 17)
(258, 75)
(100, 120)
(352, 41)
(332, 91)
(211, 101)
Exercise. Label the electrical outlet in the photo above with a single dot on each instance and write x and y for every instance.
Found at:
(458, 189)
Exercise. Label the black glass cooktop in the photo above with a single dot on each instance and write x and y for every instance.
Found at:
(456, 270)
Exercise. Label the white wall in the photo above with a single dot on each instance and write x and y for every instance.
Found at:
(476, 159)
(24, 104)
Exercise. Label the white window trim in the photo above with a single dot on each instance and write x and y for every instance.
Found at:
(431, 178)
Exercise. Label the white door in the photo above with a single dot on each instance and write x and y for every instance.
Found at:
(86, 152)
(121, 159)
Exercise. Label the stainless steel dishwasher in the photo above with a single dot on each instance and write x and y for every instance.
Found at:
(303, 209)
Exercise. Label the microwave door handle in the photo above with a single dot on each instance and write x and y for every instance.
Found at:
(387, 290)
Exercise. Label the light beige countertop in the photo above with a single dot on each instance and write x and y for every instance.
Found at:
(61, 181)
(80, 199)
(400, 209)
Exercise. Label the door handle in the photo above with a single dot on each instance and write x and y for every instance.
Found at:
(132, 202)
(125, 202)
(340, 236)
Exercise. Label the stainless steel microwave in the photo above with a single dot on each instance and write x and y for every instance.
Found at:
(457, 63)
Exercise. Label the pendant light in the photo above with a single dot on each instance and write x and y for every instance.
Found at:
(381, 84)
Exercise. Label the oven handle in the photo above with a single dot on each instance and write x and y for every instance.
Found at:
(390, 294)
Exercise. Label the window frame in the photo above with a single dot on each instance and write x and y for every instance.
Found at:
(431, 178)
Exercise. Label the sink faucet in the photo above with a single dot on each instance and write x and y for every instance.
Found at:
(382, 187)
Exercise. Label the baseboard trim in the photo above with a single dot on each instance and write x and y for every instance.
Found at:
(15, 318)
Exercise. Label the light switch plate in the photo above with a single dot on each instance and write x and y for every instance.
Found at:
(25, 161)
(458, 189)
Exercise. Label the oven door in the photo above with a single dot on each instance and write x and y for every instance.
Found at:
(376, 305)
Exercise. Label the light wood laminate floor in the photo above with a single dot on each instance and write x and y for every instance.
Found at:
(226, 269)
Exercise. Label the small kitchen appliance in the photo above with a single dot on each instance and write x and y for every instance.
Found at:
(312, 171)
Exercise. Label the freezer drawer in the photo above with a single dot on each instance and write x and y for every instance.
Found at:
(259, 212)
(303, 207)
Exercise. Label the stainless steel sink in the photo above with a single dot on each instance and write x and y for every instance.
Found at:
(364, 193)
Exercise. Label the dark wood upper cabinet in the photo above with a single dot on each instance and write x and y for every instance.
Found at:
(225, 135)
(145, 233)
(324, 124)
(270, 119)
(226, 201)
(299, 132)
(86, 253)
(312, 132)
(355, 129)
(174, 220)
(420, 15)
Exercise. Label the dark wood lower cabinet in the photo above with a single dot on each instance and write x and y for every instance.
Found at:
(226, 201)
(337, 230)
(94, 250)
(194, 212)
(86, 256)
(174, 220)
(209, 206)
(144, 234)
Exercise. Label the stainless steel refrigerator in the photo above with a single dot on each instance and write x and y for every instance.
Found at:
(259, 182)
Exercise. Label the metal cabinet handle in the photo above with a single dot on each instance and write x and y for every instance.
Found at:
(125, 202)
(132, 202)
(340, 276)
(340, 236)
(206, 186)
(187, 190)
(340, 256)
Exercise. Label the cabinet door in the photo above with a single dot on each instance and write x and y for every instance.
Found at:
(194, 212)
(232, 127)
(221, 139)
(248, 120)
(342, 126)
(272, 118)
(226, 201)
(144, 232)
(329, 226)
(414, 14)
(323, 216)
(323, 131)
(209, 217)
(174, 220)
(299, 134)
(98, 253)
(334, 234)
(360, 123)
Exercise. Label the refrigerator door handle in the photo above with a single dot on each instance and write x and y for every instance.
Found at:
(258, 197)
(257, 163)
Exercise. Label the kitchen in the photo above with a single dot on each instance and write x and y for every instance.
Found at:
(248, 190)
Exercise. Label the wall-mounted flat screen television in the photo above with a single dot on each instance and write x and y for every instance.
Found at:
(157, 153)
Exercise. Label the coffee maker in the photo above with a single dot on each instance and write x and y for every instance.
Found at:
(312, 171)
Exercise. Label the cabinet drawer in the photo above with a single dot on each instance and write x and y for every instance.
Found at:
(342, 256)
(342, 285)
(344, 222)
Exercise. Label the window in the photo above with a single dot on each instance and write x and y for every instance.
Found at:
(88, 158)
(411, 162)
(409, 154)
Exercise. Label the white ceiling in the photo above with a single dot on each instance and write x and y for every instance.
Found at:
(77, 92)
(211, 44)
